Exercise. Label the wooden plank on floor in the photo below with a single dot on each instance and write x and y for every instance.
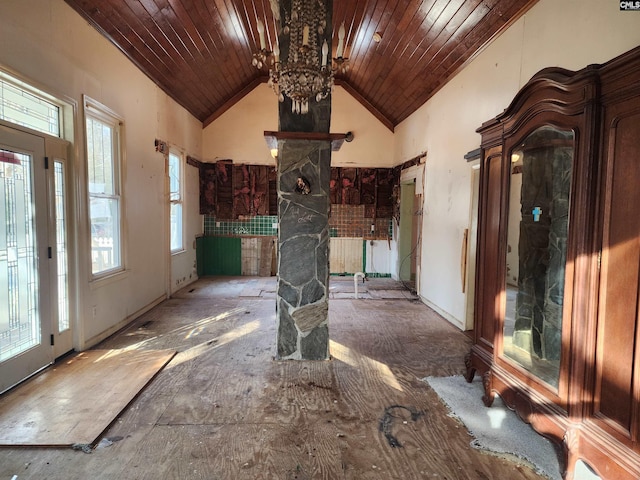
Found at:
(74, 401)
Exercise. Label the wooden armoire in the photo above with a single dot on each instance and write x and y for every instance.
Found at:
(557, 324)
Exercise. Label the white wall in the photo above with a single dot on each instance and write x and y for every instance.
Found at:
(372, 145)
(567, 33)
(49, 45)
(238, 134)
(379, 256)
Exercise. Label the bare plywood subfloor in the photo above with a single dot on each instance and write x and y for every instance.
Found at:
(74, 401)
(224, 409)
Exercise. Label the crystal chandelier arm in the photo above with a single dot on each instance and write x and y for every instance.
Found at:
(301, 71)
(340, 49)
(261, 34)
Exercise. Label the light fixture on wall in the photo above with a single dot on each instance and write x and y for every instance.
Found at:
(301, 73)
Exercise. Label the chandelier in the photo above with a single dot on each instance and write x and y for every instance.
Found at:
(302, 74)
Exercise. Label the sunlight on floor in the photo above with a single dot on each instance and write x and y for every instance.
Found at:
(212, 344)
(496, 417)
(350, 357)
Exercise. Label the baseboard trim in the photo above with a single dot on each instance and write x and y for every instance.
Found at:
(446, 315)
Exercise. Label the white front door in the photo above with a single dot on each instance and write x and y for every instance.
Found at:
(26, 324)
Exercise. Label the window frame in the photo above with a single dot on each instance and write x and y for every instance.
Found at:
(176, 198)
(33, 91)
(98, 112)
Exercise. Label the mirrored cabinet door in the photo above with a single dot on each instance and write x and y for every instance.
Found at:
(538, 224)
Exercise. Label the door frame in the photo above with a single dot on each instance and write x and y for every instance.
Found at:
(53, 343)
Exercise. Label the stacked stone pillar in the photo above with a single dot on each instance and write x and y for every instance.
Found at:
(304, 170)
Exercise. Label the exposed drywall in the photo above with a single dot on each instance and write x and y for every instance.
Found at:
(238, 134)
(50, 46)
(570, 34)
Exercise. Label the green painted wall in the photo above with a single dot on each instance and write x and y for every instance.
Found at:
(218, 256)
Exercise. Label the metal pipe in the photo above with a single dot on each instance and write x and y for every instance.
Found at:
(355, 282)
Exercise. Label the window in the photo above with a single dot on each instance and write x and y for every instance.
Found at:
(103, 173)
(26, 106)
(175, 201)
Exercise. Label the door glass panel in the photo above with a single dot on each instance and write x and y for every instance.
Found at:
(19, 317)
(61, 247)
(541, 169)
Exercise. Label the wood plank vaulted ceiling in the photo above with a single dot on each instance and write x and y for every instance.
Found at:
(199, 51)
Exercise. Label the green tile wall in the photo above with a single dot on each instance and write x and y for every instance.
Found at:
(263, 225)
(344, 221)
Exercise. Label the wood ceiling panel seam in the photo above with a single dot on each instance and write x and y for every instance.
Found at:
(444, 38)
(166, 21)
(187, 99)
(464, 9)
(187, 72)
(227, 73)
(141, 52)
(488, 31)
(449, 66)
(221, 82)
(146, 67)
(372, 63)
(399, 30)
(438, 43)
(246, 49)
(395, 78)
(219, 89)
(195, 16)
(385, 63)
(167, 46)
(234, 47)
(359, 44)
(396, 74)
(449, 61)
(351, 30)
(362, 69)
(192, 34)
(118, 19)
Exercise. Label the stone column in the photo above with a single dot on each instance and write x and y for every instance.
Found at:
(304, 169)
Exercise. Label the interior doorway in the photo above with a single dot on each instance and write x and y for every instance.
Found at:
(409, 235)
